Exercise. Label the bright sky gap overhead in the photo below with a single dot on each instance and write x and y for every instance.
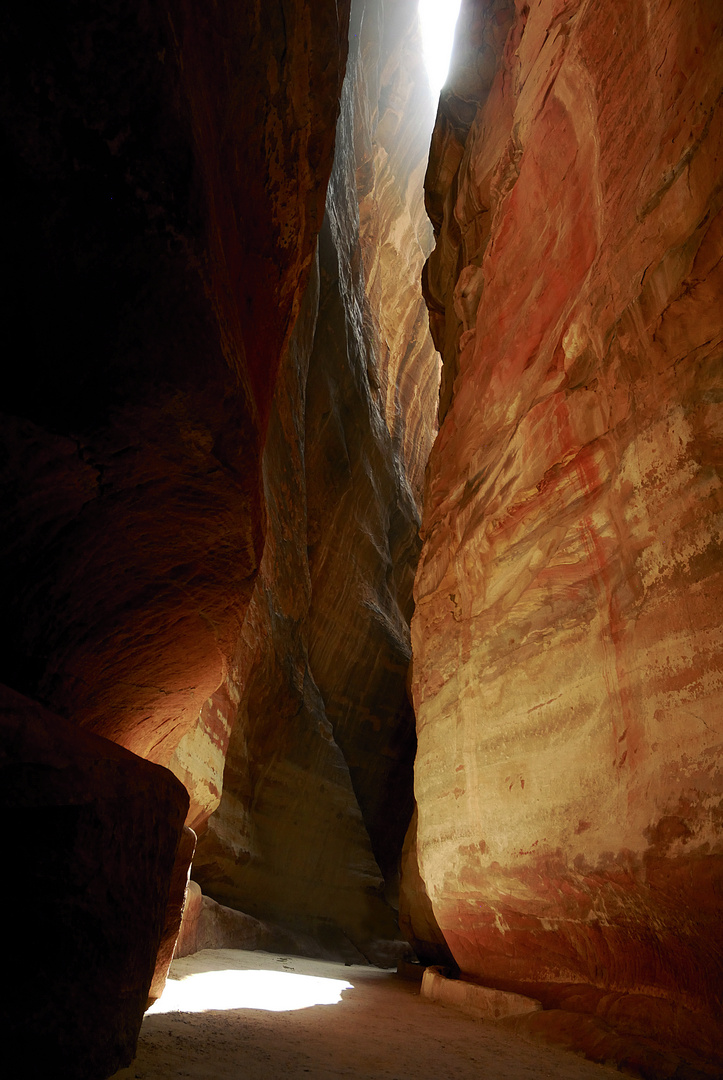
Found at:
(438, 19)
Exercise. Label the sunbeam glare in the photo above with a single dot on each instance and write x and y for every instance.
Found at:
(438, 19)
(274, 991)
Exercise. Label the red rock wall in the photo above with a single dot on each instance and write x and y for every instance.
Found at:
(161, 229)
(165, 172)
(317, 789)
(567, 634)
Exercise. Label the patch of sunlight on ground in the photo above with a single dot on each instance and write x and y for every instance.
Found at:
(273, 991)
(438, 19)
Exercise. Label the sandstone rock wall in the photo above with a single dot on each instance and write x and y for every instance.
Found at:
(165, 171)
(393, 118)
(567, 633)
(317, 788)
(167, 177)
(208, 925)
(288, 842)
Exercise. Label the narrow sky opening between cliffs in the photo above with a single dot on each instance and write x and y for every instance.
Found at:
(438, 19)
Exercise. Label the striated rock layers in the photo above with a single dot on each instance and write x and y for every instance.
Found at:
(166, 168)
(567, 634)
(317, 788)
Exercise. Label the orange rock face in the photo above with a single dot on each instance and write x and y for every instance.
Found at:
(567, 634)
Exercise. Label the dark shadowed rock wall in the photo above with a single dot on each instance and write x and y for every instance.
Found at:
(567, 634)
(165, 171)
(168, 172)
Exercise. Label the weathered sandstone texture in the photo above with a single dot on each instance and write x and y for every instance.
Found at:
(317, 788)
(416, 915)
(89, 848)
(392, 123)
(165, 171)
(567, 633)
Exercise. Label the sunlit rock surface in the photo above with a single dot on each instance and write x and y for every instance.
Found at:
(393, 116)
(317, 789)
(567, 634)
(416, 916)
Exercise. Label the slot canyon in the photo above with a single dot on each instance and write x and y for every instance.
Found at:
(361, 462)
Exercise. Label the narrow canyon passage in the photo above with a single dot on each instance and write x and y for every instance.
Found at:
(380, 1030)
(361, 546)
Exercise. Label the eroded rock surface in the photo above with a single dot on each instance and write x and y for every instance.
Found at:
(416, 915)
(392, 121)
(567, 634)
(317, 789)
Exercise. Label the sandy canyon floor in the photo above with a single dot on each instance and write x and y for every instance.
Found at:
(256, 1016)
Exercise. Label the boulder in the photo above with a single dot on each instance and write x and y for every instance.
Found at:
(92, 836)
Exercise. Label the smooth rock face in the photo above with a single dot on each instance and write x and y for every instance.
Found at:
(167, 185)
(416, 915)
(317, 788)
(567, 634)
(165, 176)
(90, 846)
(187, 940)
(393, 118)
